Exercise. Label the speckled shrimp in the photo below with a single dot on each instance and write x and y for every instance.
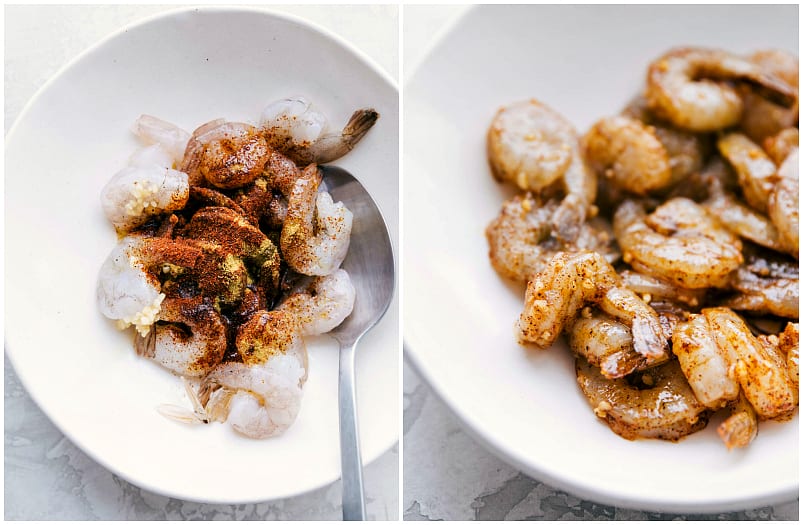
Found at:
(760, 369)
(657, 404)
(260, 397)
(763, 118)
(190, 338)
(783, 204)
(125, 291)
(755, 170)
(651, 288)
(324, 305)
(298, 130)
(684, 87)
(679, 242)
(741, 426)
(766, 283)
(316, 232)
(572, 281)
(607, 343)
(534, 147)
(521, 243)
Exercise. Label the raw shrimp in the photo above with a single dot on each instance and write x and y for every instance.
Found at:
(743, 220)
(126, 292)
(779, 146)
(153, 131)
(530, 145)
(741, 427)
(761, 117)
(760, 369)
(260, 397)
(789, 344)
(683, 87)
(316, 232)
(661, 406)
(521, 243)
(298, 130)
(533, 146)
(755, 169)
(136, 193)
(629, 153)
(606, 343)
(784, 203)
(703, 363)
(767, 284)
(189, 337)
(326, 303)
(679, 242)
(573, 280)
(650, 288)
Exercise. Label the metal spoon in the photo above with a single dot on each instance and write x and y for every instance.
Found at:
(370, 265)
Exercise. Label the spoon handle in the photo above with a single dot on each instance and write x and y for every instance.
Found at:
(350, 461)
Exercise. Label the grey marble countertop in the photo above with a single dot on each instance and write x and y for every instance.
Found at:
(448, 475)
(46, 476)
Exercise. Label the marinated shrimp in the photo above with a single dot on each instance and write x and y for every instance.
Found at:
(699, 177)
(684, 86)
(316, 231)
(297, 129)
(679, 242)
(521, 239)
(534, 147)
(168, 137)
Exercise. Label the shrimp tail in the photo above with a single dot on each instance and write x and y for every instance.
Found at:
(146, 346)
(358, 125)
(647, 339)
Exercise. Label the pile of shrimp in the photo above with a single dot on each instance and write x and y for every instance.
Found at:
(664, 243)
(229, 255)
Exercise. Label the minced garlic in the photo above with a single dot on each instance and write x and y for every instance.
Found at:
(143, 319)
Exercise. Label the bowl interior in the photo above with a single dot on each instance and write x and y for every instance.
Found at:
(187, 67)
(585, 62)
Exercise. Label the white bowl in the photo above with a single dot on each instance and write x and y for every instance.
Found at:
(586, 62)
(187, 67)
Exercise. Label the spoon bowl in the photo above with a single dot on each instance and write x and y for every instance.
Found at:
(370, 264)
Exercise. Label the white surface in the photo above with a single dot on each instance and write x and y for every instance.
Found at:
(459, 314)
(187, 70)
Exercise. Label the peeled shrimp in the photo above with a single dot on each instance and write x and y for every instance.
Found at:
(607, 344)
(760, 369)
(744, 221)
(741, 426)
(684, 87)
(533, 146)
(779, 146)
(789, 344)
(784, 203)
(521, 242)
(651, 288)
(662, 406)
(755, 169)
(766, 283)
(297, 129)
(762, 117)
(135, 193)
(629, 153)
(172, 139)
(126, 292)
(327, 302)
(704, 363)
(316, 232)
(190, 338)
(679, 242)
(574, 280)
(260, 397)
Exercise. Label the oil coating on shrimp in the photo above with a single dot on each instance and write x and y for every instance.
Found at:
(298, 130)
(756, 171)
(259, 397)
(679, 242)
(766, 283)
(762, 117)
(534, 147)
(662, 406)
(783, 204)
(760, 369)
(316, 232)
(574, 280)
(189, 337)
(684, 87)
(324, 305)
(521, 239)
